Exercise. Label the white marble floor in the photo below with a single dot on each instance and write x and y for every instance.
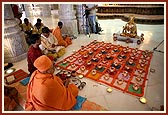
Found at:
(117, 101)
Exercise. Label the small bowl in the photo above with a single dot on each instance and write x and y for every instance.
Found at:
(108, 56)
(10, 70)
(80, 76)
(99, 66)
(115, 49)
(90, 52)
(99, 54)
(58, 68)
(79, 60)
(115, 64)
(112, 69)
(104, 61)
(82, 49)
(120, 81)
(94, 72)
(140, 71)
(125, 73)
(73, 65)
(143, 100)
(127, 67)
(71, 58)
(82, 68)
(85, 55)
(103, 50)
(89, 63)
(107, 47)
(142, 65)
(73, 51)
(138, 78)
(94, 58)
(122, 55)
(106, 76)
(120, 59)
(95, 49)
(130, 61)
(64, 62)
(135, 86)
(109, 89)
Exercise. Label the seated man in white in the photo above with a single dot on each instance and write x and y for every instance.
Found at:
(49, 44)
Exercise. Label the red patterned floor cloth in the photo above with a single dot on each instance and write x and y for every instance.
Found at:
(19, 75)
(123, 68)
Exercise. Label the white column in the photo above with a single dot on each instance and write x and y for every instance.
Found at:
(28, 10)
(81, 19)
(45, 10)
(67, 16)
(15, 46)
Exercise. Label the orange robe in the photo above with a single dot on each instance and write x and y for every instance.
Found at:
(58, 34)
(47, 93)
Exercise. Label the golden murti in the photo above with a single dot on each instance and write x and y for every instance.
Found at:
(130, 29)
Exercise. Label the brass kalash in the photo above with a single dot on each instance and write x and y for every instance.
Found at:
(129, 33)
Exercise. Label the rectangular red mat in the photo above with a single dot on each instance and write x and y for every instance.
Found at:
(19, 75)
(97, 53)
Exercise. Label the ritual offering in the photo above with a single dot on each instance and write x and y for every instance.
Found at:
(99, 66)
(112, 69)
(125, 73)
(89, 63)
(127, 67)
(143, 100)
(80, 76)
(85, 55)
(106, 76)
(90, 52)
(140, 71)
(115, 64)
(108, 56)
(93, 72)
(79, 60)
(103, 50)
(123, 68)
(138, 78)
(120, 81)
(107, 47)
(109, 90)
(64, 62)
(58, 68)
(82, 68)
(135, 86)
(71, 57)
(130, 61)
(72, 65)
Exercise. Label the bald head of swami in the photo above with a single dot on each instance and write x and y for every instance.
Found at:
(43, 64)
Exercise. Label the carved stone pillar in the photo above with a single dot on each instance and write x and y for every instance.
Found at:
(45, 10)
(28, 10)
(67, 16)
(81, 18)
(15, 46)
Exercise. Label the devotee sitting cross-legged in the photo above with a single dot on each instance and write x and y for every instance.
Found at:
(46, 92)
(38, 27)
(62, 40)
(49, 44)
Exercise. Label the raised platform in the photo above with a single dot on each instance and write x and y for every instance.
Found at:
(144, 14)
(139, 19)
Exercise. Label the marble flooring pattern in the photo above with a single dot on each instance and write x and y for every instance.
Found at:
(117, 101)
